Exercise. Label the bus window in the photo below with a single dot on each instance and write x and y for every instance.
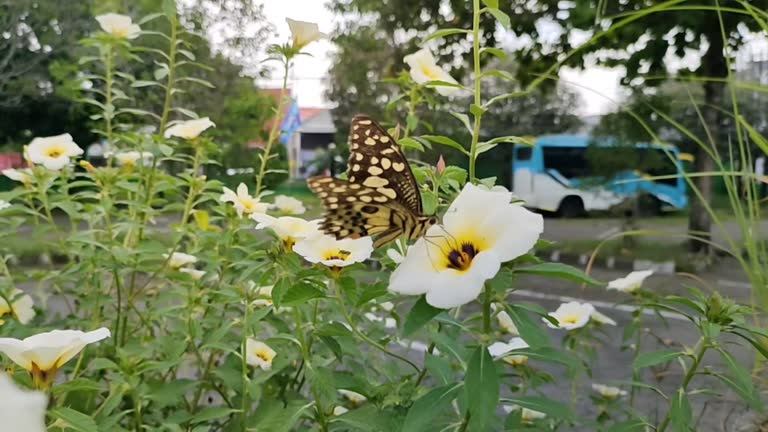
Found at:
(571, 162)
(660, 165)
(523, 153)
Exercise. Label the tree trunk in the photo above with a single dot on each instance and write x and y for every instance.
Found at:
(713, 66)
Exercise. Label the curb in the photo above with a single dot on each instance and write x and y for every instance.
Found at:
(615, 263)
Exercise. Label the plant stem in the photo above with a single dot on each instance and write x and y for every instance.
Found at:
(476, 62)
(108, 107)
(273, 133)
(701, 348)
(488, 296)
(638, 342)
(361, 335)
(244, 363)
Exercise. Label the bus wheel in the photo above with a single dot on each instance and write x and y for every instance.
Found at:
(571, 207)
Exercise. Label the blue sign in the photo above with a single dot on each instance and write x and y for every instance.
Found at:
(291, 123)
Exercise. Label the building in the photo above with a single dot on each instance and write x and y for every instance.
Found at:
(315, 134)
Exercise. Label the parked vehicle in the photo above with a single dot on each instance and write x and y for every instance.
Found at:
(555, 175)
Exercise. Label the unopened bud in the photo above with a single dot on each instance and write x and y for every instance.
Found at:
(88, 166)
(440, 167)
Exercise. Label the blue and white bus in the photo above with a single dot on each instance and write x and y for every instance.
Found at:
(554, 175)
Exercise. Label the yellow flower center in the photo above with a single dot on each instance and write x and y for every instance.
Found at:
(54, 152)
(461, 258)
(337, 255)
(43, 379)
(264, 355)
(568, 319)
(429, 72)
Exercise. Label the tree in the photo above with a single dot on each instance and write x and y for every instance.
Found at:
(371, 43)
(639, 36)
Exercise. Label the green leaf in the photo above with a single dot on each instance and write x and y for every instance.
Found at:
(420, 314)
(321, 382)
(212, 413)
(530, 330)
(476, 110)
(648, 359)
(560, 271)
(740, 380)
(445, 32)
(680, 412)
(500, 16)
(494, 52)
(551, 408)
(409, 142)
(369, 418)
(464, 119)
(422, 411)
(160, 73)
(144, 83)
(512, 140)
(429, 202)
(299, 294)
(491, 3)
(481, 387)
(444, 140)
(74, 420)
(274, 415)
(169, 9)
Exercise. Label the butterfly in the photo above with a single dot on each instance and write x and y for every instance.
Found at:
(380, 196)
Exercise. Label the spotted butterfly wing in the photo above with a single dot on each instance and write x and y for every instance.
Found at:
(380, 197)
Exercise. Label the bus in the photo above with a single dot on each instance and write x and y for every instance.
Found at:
(554, 175)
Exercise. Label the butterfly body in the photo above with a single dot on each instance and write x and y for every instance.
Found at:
(380, 196)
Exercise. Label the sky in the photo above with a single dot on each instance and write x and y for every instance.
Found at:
(598, 87)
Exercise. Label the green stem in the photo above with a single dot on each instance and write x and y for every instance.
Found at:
(244, 364)
(109, 108)
(273, 133)
(161, 130)
(476, 63)
(358, 333)
(701, 348)
(487, 310)
(638, 344)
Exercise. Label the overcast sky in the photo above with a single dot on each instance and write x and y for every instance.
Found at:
(599, 87)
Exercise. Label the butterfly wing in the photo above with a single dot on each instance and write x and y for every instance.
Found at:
(376, 161)
(354, 211)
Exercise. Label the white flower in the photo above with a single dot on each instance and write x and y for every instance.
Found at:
(480, 230)
(243, 202)
(354, 397)
(339, 410)
(504, 351)
(194, 273)
(608, 392)
(20, 307)
(303, 33)
(53, 152)
(424, 69)
(287, 228)
(389, 322)
(397, 254)
(630, 282)
(289, 205)
(265, 294)
(189, 129)
(44, 353)
(602, 319)
(21, 410)
(119, 26)
(506, 323)
(23, 175)
(387, 306)
(4, 204)
(329, 251)
(259, 354)
(129, 158)
(178, 259)
(526, 415)
(571, 315)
